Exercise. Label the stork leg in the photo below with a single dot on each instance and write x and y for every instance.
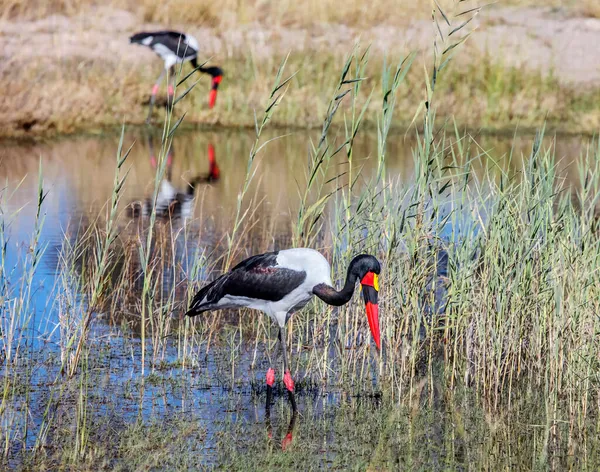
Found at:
(289, 437)
(287, 377)
(289, 384)
(270, 382)
(154, 92)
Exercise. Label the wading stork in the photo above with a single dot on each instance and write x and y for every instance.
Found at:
(174, 47)
(282, 282)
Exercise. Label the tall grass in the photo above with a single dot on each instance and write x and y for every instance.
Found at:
(490, 283)
(483, 94)
(18, 321)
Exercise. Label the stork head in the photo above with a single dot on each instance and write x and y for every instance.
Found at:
(367, 268)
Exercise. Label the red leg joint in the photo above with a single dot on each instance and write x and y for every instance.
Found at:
(287, 441)
(270, 377)
(288, 381)
(171, 91)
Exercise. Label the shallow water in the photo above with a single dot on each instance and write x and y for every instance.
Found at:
(227, 407)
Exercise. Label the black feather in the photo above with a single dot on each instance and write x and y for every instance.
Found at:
(257, 277)
(139, 37)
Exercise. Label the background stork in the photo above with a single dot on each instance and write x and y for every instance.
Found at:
(282, 282)
(175, 48)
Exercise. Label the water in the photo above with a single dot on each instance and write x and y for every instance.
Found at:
(79, 171)
(78, 175)
(223, 411)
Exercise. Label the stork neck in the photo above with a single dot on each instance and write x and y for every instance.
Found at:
(191, 188)
(337, 298)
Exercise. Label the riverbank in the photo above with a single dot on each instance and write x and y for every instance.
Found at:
(77, 72)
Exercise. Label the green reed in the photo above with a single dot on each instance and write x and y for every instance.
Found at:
(18, 320)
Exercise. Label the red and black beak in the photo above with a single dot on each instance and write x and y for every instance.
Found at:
(212, 96)
(214, 171)
(370, 291)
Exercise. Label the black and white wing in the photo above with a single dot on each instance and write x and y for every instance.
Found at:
(258, 279)
(166, 43)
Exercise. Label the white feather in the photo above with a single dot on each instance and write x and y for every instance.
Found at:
(166, 193)
(192, 42)
(318, 271)
(166, 54)
(317, 268)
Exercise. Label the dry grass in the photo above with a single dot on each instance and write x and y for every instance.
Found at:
(108, 88)
(480, 94)
(307, 13)
(285, 13)
(227, 12)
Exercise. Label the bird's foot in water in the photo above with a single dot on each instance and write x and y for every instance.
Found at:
(288, 381)
(287, 441)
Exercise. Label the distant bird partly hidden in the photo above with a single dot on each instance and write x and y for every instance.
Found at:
(175, 48)
(282, 282)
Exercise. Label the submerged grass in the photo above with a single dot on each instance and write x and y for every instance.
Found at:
(489, 299)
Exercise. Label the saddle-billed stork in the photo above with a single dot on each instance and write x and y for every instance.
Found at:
(175, 48)
(282, 282)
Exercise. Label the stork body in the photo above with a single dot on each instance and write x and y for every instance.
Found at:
(276, 283)
(283, 282)
(174, 48)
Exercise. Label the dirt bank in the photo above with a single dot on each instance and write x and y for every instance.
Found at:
(65, 73)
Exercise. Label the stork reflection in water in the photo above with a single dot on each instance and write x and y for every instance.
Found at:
(170, 202)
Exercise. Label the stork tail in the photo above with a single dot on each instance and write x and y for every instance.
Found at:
(204, 300)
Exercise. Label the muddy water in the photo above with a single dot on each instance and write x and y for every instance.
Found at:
(227, 415)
